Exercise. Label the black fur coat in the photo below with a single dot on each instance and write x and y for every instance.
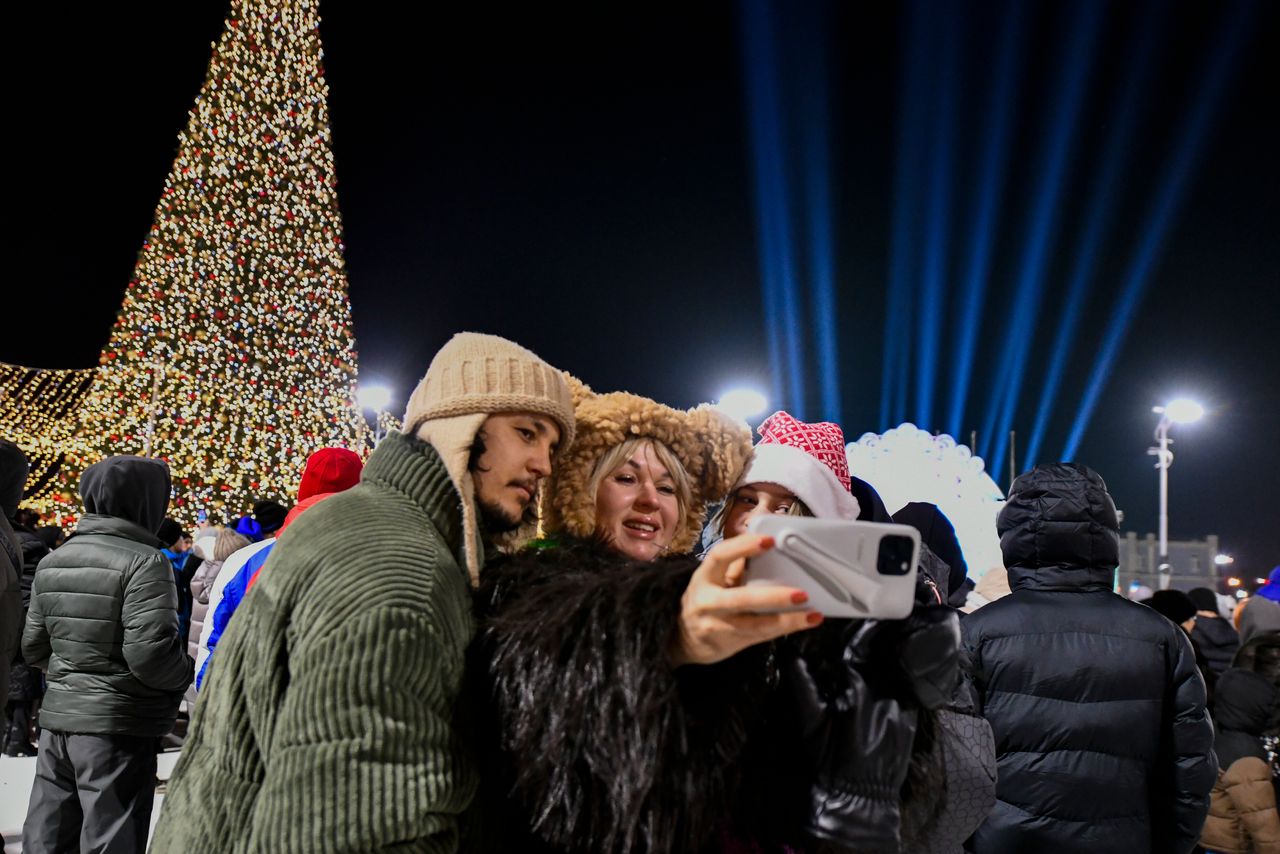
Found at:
(603, 745)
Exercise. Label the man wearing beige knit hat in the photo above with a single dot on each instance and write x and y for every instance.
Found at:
(328, 723)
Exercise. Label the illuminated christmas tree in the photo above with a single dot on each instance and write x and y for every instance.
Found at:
(232, 355)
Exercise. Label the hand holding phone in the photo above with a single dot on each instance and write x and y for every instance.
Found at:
(848, 568)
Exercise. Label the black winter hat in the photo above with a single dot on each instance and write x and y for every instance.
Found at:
(269, 514)
(1204, 599)
(936, 532)
(169, 532)
(1174, 604)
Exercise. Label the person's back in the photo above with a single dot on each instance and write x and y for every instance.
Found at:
(1102, 739)
(1242, 814)
(103, 623)
(258, 762)
(1214, 636)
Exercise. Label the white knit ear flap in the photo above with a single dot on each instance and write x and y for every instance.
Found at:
(452, 438)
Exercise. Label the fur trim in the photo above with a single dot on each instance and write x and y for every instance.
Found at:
(712, 447)
(606, 746)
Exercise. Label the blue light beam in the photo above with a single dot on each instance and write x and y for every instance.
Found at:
(1170, 191)
(938, 223)
(1098, 221)
(907, 201)
(816, 165)
(1031, 276)
(987, 212)
(773, 219)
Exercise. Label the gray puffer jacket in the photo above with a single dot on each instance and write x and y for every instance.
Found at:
(103, 619)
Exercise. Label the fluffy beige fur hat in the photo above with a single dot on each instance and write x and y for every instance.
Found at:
(712, 446)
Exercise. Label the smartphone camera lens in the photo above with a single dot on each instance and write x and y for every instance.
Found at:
(894, 557)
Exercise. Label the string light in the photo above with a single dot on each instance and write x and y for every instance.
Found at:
(232, 355)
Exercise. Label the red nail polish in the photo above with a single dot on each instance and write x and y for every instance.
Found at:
(766, 542)
(813, 619)
(799, 597)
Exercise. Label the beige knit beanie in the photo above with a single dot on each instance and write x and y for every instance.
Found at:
(484, 373)
(472, 377)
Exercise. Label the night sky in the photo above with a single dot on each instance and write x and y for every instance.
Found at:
(580, 180)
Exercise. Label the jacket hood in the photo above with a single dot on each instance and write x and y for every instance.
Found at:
(13, 477)
(132, 488)
(1216, 632)
(1244, 701)
(1260, 616)
(1058, 530)
(870, 505)
(937, 533)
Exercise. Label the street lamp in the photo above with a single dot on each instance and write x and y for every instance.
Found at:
(375, 399)
(1179, 411)
(742, 403)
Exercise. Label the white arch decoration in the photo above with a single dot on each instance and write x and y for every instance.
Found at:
(908, 464)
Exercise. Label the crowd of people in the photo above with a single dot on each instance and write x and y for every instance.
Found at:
(514, 628)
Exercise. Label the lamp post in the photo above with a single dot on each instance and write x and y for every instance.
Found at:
(1180, 411)
(375, 398)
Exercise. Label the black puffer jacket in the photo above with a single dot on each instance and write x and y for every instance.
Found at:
(25, 683)
(1217, 641)
(1102, 739)
(103, 619)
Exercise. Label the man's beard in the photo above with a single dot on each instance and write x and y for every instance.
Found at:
(494, 520)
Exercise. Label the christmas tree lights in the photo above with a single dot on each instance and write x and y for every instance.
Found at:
(232, 355)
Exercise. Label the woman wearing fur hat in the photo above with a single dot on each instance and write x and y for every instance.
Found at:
(609, 740)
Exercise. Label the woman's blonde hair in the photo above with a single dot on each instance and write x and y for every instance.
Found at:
(617, 456)
(228, 543)
(797, 508)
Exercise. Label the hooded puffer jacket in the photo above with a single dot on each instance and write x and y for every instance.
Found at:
(1242, 813)
(1217, 641)
(1102, 740)
(103, 619)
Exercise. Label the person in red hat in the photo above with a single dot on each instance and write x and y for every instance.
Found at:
(328, 472)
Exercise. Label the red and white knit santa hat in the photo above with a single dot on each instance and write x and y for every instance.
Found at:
(806, 459)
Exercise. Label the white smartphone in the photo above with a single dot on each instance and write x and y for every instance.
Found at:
(849, 569)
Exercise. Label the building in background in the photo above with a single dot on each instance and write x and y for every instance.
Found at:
(1192, 561)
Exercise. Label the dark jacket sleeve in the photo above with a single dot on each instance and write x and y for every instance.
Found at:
(1192, 765)
(156, 656)
(974, 688)
(604, 738)
(37, 647)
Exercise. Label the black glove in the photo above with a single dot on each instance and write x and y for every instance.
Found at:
(855, 747)
(925, 645)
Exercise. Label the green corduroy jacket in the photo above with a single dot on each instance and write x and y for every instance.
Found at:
(325, 724)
